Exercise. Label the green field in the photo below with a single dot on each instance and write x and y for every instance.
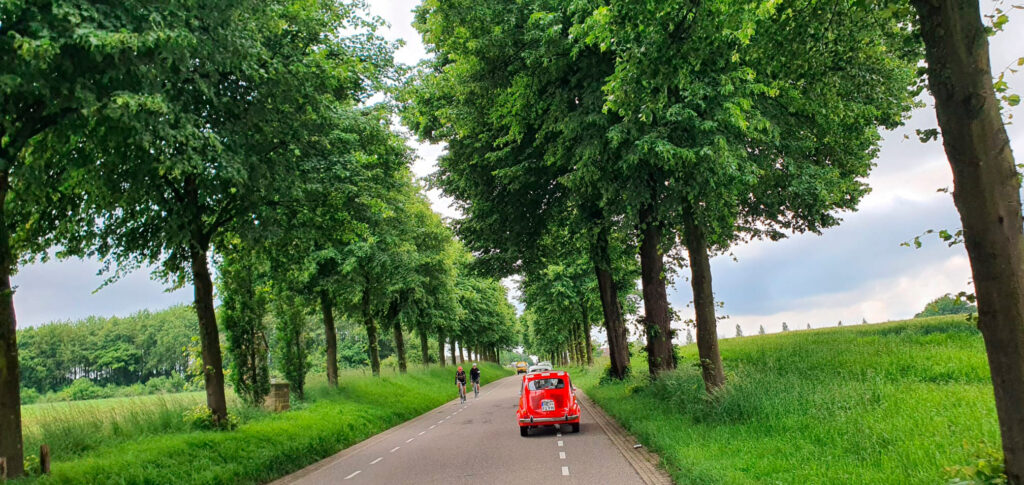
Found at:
(145, 440)
(887, 403)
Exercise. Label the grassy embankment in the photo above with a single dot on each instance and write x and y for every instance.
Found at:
(887, 403)
(145, 440)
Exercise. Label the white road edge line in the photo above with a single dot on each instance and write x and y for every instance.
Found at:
(374, 462)
(394, 449)
(561, 443)
(353, 474)
(565, 471)
(561, 455)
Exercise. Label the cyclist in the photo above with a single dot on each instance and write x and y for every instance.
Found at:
(474, 375)
(460, 380)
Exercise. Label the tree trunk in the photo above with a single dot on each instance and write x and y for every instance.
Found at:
(209, 339)
(581, 343)
(462, 352)
(451, 349)
(586, 335)
(332, 338)
(660, 354)
(10, 397)
(618, 349)
(371, 335)
(440, 349)
(425, 348)
(704, 305)
(987, 195)
(399, 344)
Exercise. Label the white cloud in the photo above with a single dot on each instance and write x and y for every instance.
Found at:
(897, 297)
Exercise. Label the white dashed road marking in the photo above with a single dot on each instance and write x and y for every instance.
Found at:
(353, 474)
(565, 471)
(395, 449)
(561, 454)
(421, 433)
(374, 462)
(409, 440)
(434, 426)
(561, 443)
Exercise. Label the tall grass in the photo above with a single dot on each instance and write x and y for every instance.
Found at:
(890, 403)
(144, 440)
(72, 428)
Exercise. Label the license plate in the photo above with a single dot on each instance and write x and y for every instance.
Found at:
(547, 405)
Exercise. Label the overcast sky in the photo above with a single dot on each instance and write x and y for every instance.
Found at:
(852, 272)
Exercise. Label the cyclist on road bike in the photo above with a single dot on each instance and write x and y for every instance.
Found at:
(474, 375)
(460, 380)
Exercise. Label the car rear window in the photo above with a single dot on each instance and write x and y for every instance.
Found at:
(542, 384)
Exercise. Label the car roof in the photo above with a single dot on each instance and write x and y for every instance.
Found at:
(547, 374)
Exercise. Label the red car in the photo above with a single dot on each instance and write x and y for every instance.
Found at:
(547, 398)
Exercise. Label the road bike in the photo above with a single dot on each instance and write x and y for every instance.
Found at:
(462, 392)
(476, 389)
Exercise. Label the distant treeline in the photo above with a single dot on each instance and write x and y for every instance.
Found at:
(133, 350)
(107, 351)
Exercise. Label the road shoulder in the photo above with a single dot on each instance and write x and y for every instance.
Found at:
(644, 462)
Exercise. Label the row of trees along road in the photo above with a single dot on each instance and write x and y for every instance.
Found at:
(163, 133)
(675, 129)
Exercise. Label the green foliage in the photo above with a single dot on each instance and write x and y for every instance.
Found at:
(608, 378)
(909, 393)
(201, 419)
(83, 388)
(291, 348)
(244, 303)
(988, 468)
(29, 396)
(947, 304)
(561, 296)
(718, 120)
(195, 371)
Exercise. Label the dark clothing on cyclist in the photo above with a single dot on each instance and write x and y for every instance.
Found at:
(474, 374)
(461, 376)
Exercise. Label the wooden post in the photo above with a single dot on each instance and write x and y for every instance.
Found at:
(3, 467)
(44, 459)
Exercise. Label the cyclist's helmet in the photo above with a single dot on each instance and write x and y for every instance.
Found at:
(474, 364)
(460, 367)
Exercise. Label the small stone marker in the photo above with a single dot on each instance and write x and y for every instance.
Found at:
(279, 398)
(3, 467)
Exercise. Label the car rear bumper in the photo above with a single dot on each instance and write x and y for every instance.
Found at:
(560, 419)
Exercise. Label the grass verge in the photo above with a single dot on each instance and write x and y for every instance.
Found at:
(265, 446)
(889, 403)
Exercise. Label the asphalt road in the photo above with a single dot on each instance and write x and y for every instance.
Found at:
(480, 443)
